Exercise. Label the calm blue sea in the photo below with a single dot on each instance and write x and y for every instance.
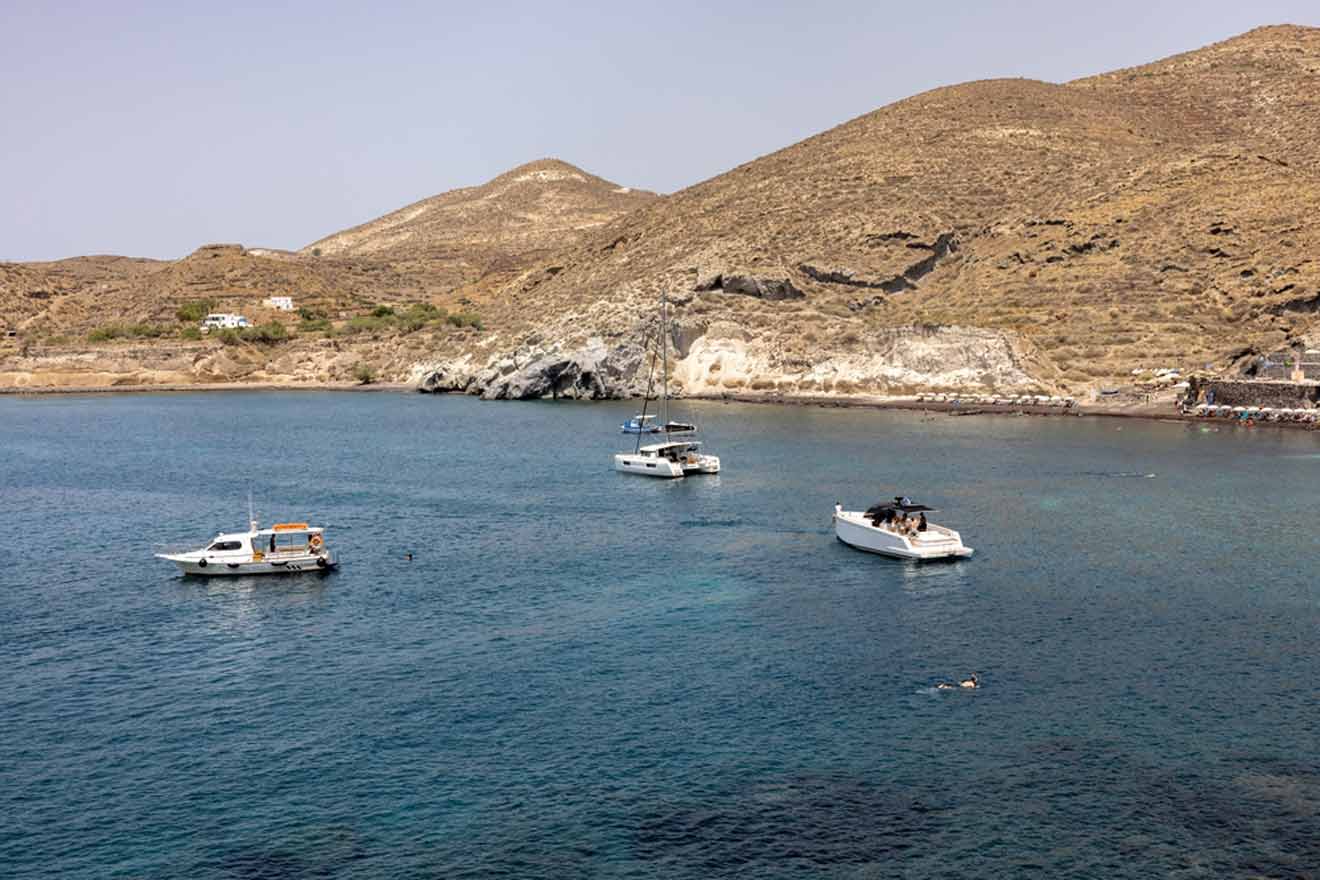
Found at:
(585, 674)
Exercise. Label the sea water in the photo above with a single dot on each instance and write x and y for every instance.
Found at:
(587, 674)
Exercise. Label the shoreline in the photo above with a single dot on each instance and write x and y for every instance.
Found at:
(183, 387)
(1143, 411)
(1149, 412)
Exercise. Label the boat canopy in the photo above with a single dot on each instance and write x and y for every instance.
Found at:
(896, 507)
(290, 529)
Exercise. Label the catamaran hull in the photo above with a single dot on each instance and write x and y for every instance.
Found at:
(647, 466)
(214, 568)
(853, 530)
(705, 464)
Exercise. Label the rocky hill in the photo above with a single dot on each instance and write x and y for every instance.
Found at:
(478, 231)
(988, 234)
(1005, 234)
(447, 252)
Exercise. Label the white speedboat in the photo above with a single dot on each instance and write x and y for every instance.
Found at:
(679, 453)
(674, 458)
(891, 529)
(284, 548)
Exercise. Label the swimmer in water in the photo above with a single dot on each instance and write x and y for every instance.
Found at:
(971, 682)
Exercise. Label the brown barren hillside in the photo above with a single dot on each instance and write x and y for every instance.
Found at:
(1005, 234)
(434, 252)
(1159, 216)
(542, 206)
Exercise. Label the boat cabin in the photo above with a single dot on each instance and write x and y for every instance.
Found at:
(674, 450)
(281, 538)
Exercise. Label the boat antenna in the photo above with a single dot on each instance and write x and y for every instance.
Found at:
(252, 517)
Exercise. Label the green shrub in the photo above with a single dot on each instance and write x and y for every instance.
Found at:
(229, 336)
(195, 310)
(465, 319)
(368, 324)
(192, 332)
(315, 325)
(382, 312)
(268, 333)
(309, 314)
(425, 311)
(126, 331)
(364, 373)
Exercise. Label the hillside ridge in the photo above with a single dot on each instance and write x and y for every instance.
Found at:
(997, 234)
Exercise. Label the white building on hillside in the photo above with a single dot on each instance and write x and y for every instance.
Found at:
(222, 321)
(282, 303)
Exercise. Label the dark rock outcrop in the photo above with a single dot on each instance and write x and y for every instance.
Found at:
(444, 378)
(593, 372)
(945, 243)
(749, 285)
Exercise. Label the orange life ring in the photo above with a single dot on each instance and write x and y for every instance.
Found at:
(315, 542)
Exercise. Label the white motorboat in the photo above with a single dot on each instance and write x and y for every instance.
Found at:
(284, 548)
(890, 529)
(640, 424)
(679, 453)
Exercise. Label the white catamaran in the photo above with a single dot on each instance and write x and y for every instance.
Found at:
(679, 452)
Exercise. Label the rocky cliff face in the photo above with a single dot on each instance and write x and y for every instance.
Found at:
(710, 360)
(592, 372)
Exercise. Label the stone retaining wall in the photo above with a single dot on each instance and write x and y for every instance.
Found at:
(1242, 392)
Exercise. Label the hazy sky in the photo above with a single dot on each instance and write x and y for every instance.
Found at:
(151, 128)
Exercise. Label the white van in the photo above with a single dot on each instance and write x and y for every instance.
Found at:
(221, 321)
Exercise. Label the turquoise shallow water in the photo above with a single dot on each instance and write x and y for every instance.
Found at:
(584, 674)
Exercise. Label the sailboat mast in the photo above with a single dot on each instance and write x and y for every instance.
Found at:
(664, 359)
